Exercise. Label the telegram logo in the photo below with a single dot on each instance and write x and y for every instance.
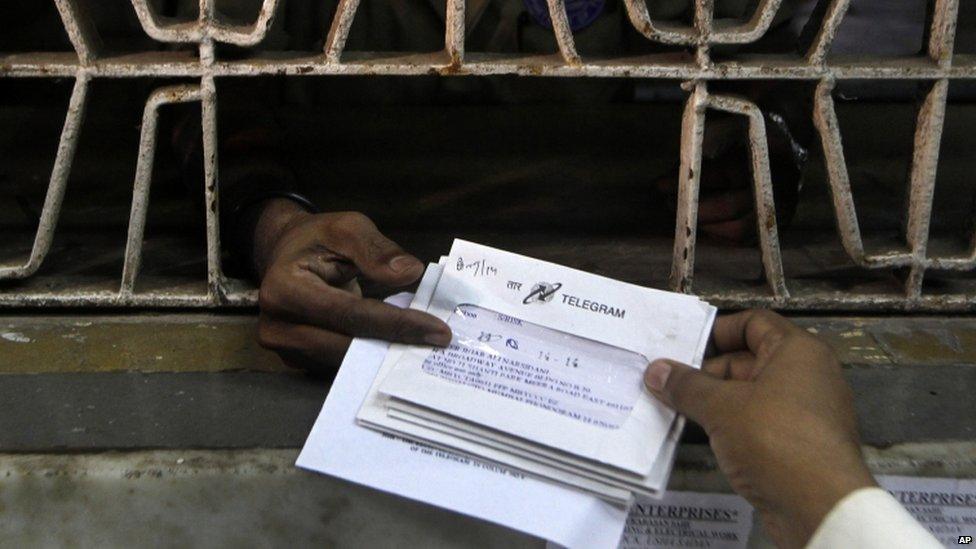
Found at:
(542, 292)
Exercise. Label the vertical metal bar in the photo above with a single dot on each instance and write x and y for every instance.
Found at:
(826, 29)
(81, 31)
(766, 226)
(942, 33)
(825, 120)
(143, 178)
(211, 195)
(928, 141)
(563, 32)
(454, 31)
(704, 14)
(140, 198)
(925, 164)
(215, 276)
(73, 120)
(845, 213)
(335, 42)
(689, 180)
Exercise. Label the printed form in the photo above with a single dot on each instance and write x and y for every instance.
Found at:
(535, 416)
(687, 519)
(944, 506)
(339, 447)
(544, 376)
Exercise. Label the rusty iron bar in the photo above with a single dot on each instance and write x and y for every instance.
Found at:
(335, 41)
(177, 64)
(689, 183)
(938, 65)
(454, 34)
(820, 46)
(206, 25)
(925, 164)
(81, 32)
(563, 32)
(766, 226)
(144, 165)
(57, 184)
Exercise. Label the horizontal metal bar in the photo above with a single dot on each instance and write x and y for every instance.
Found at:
(248, 298)
(676, 66)
(798, 301)
(938, 65)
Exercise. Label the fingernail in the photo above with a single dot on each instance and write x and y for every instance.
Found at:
(440, 339)
(656, 375)
(401, 263)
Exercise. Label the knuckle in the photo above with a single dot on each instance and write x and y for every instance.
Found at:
(766, 316)
(354, 217)
(352, 222)
(269, 297)
(344, 319)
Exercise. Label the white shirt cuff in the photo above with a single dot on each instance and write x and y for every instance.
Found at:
(869, 518)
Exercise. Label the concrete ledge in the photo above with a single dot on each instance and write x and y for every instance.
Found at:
(228, 499)
(257, 498)
(133, 410)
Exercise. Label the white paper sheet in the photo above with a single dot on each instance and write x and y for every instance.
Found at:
(946, 507)
(611, 484)
(373, 414)
(542, 460)
(651, 323)
(339, 447)
(687, 519)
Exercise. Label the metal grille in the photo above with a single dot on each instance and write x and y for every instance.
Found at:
(937, 67)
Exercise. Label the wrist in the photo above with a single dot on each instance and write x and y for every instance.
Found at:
(823, 488)
(275, 217)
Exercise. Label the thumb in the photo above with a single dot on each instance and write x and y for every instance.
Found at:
(689, 391)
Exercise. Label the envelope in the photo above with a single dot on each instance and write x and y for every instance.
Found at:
(375, 410)
(337, 446)
(588, 309)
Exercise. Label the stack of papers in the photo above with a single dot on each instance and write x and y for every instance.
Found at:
(544, 374)
(337, 446)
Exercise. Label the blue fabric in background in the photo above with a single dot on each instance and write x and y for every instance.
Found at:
(581, 12)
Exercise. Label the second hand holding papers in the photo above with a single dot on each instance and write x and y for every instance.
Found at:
(544, 371)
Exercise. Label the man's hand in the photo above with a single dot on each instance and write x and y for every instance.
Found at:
(779, 416)
(311, 305)
(726, 208)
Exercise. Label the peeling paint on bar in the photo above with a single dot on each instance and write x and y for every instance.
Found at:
(144, 167)
(937, 65)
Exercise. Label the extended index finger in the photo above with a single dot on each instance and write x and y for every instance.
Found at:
(362, 317)
(748, 330)
(339, 311)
